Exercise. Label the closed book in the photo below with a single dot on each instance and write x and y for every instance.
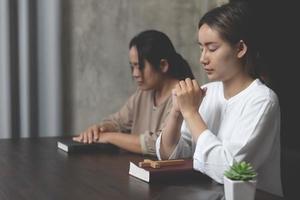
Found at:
(164, 174)
(71, 146)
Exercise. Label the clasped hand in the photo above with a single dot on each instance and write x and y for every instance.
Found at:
(187, 97)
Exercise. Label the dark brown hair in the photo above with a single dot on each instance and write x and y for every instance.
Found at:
(234, 22)
(153, 46)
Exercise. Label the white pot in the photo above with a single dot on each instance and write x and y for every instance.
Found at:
(237, 190)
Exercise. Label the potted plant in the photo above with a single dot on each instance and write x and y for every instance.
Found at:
(240, 182)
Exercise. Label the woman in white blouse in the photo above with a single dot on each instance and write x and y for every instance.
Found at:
(234, 117)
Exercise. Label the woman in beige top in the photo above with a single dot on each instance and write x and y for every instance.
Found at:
(157, 68)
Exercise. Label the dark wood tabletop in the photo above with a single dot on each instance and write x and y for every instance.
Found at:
(35, 169)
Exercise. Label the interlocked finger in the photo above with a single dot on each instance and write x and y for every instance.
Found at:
(189, 85)
(183, 86)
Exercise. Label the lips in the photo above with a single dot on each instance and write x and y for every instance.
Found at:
(208, 70)
(139, 82)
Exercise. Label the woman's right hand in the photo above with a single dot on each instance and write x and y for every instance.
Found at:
(189, 96)
(92, 134)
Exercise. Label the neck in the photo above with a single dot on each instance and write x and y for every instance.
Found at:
(234, 86)
(163, 92)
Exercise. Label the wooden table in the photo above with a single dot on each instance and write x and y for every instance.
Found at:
(36, 169)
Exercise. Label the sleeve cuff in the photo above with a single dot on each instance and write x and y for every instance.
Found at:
(157, 147)
(202, 142)
(143, 144)
(147, 141)
(173, 155)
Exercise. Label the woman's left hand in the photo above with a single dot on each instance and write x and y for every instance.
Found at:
(189, 96)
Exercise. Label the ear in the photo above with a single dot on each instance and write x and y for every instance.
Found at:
(241, 49)
(164, 65)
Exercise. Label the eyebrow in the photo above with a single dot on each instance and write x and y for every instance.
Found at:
(207, 43)
(132, 64)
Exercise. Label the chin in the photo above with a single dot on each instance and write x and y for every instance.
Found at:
(144, 88)
(212, 78)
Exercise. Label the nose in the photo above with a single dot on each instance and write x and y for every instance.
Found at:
(203, 57)
(136, 72)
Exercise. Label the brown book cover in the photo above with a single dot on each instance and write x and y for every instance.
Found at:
(165, 173)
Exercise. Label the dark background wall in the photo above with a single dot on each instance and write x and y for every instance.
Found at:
(277, 23)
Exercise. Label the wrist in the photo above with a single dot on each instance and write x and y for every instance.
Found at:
(107, 137)
(190, 115)
(195, 124)
(176, 114)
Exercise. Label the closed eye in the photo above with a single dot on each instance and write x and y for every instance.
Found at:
(133, 65)
(212, 47)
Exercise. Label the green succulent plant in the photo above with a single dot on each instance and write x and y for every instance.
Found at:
(241, 171)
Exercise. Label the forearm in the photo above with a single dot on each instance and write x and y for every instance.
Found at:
(171, 134)
(128, 142)
(195, 124)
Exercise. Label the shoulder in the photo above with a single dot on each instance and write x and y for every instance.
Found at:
(260, 99)
(260, 92)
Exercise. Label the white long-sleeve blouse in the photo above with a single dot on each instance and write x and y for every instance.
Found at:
(244, 127)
